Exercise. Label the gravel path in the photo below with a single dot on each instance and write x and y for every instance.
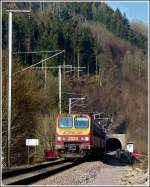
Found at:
(106, 171)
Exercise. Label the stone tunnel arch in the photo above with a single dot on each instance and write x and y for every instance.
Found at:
(112, 144)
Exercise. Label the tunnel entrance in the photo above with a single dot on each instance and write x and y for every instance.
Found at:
(112, 144)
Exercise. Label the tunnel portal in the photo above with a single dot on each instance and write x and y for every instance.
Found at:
(112, 144)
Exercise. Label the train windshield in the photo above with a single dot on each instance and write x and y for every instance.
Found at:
(66, 122)
(81, 122)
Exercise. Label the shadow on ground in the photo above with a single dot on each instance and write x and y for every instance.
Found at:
(109, 159)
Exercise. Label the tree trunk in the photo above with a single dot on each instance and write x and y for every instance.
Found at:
(64, 63)
(96, 70)
(78, 63)
(88, 69)
(74, 59)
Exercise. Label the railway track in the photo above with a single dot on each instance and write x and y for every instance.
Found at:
(33, 174)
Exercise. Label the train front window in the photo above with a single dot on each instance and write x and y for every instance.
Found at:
(66, 122)
(81, 122)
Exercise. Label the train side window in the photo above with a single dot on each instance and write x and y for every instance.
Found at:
(65, 122)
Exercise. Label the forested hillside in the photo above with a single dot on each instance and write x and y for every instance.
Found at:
(93, 35)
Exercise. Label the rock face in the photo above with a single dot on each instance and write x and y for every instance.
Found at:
(135, 176)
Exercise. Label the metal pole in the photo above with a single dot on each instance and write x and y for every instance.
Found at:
(30, 6)
(10, 81)
(42, 66)
(59, 77)
(28, 155)
(35, 155)
(69, 105)
(9, 86)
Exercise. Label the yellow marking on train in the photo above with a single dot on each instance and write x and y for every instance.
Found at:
(72, 132)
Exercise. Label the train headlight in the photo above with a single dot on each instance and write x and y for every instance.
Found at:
(59, 138)
(63, 138)
(86, 138)
(82, 138)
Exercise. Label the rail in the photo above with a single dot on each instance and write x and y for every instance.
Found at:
(30, 175)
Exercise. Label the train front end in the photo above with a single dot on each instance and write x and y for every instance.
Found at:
(73, 135)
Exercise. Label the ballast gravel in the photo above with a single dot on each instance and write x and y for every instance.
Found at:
(107, 171)
(88, 173)
(82, 174)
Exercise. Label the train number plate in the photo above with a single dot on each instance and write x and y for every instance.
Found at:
(72, 138)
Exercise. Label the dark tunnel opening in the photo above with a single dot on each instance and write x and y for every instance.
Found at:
(112, 144)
